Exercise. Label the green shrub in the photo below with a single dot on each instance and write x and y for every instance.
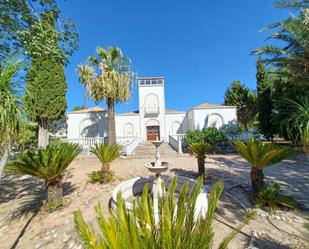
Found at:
(213, 136)
(101, 176)
(269, 196)
(209, 135)
(196, 136)
(138, 229)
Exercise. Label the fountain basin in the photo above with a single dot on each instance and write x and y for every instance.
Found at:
(157, 169)
(133, 188)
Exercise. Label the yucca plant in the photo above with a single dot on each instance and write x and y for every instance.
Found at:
(137, 228)
(269, 196)
(200, 150)
(48, 164)
(106, 154)
(260, 156)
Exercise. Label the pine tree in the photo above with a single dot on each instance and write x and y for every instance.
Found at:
(45, 98)
(265, 104)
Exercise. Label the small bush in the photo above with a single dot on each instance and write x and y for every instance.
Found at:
(213, 136)
(209, 135)
(269, 196)
(232, 128)
(101, 176)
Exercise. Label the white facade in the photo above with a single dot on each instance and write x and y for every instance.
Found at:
(153, 121)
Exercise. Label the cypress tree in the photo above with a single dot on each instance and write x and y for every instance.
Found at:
(264, 102)
(45, 94)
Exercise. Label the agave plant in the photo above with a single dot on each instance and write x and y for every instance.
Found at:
(48, 164)
(137, 228)
(269, 196)
(200, 150)
(106, 154)
(260, 156)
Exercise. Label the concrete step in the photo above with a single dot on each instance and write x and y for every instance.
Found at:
(147, 150)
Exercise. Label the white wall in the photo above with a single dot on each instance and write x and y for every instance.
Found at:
(122, 120)
(200, 116)
(171, 118)
(94, 120)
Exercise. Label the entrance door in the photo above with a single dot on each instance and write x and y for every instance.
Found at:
(153, 133)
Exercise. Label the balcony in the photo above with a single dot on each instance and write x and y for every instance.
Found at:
(152, 111)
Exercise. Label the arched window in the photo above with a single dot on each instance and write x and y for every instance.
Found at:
(128, 130)
(151, 104)
(215, 120)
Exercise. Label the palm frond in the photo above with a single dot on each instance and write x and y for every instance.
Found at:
(261, 155)
(47, 164)
(200, 149)
(106, 153)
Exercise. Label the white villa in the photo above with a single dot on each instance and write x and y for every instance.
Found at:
(151, 122)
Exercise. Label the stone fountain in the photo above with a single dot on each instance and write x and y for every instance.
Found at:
(157, 185)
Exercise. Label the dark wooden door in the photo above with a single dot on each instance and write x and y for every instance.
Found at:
(153, 133)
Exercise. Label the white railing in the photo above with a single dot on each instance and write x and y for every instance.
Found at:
(244, 136)
(129, 148)
(85, 142)
(175, 141)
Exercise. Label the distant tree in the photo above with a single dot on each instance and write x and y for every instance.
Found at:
(245, 100)
(77, 107)
(265, 104)
(108, 77)
(9, 107)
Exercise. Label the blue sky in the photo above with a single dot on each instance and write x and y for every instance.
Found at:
(199, 46)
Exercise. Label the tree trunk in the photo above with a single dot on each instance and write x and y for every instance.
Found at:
(105, 167)
(43, 134)
(4, 159)
(111, 130)
(201, 166)
(257, 180)
(54, 193)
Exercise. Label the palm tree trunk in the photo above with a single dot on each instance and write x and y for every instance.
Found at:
(201, 166)
(4, 159)
(257, 180)
(54, 193)
(105, 167)
(43, 134)
(111, 130)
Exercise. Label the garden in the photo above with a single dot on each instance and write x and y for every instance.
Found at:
(225, 191)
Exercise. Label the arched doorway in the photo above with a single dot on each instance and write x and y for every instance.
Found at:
(153, 130)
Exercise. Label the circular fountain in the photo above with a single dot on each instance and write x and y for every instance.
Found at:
(157, 185)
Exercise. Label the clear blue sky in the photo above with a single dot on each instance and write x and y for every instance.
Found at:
(199, 46)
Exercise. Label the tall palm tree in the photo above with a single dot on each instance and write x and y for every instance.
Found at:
(260, 156)
(48, 164)
(9, 107)
(200, 150)
(292, 35)
(108, 77)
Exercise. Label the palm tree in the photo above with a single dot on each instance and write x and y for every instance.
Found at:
(108, 77)
(292, 34)
(260, 156)
(48, 164)
(200, 150)
(296, 118)
(9, 107)
(137, 228)
(106, 154)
